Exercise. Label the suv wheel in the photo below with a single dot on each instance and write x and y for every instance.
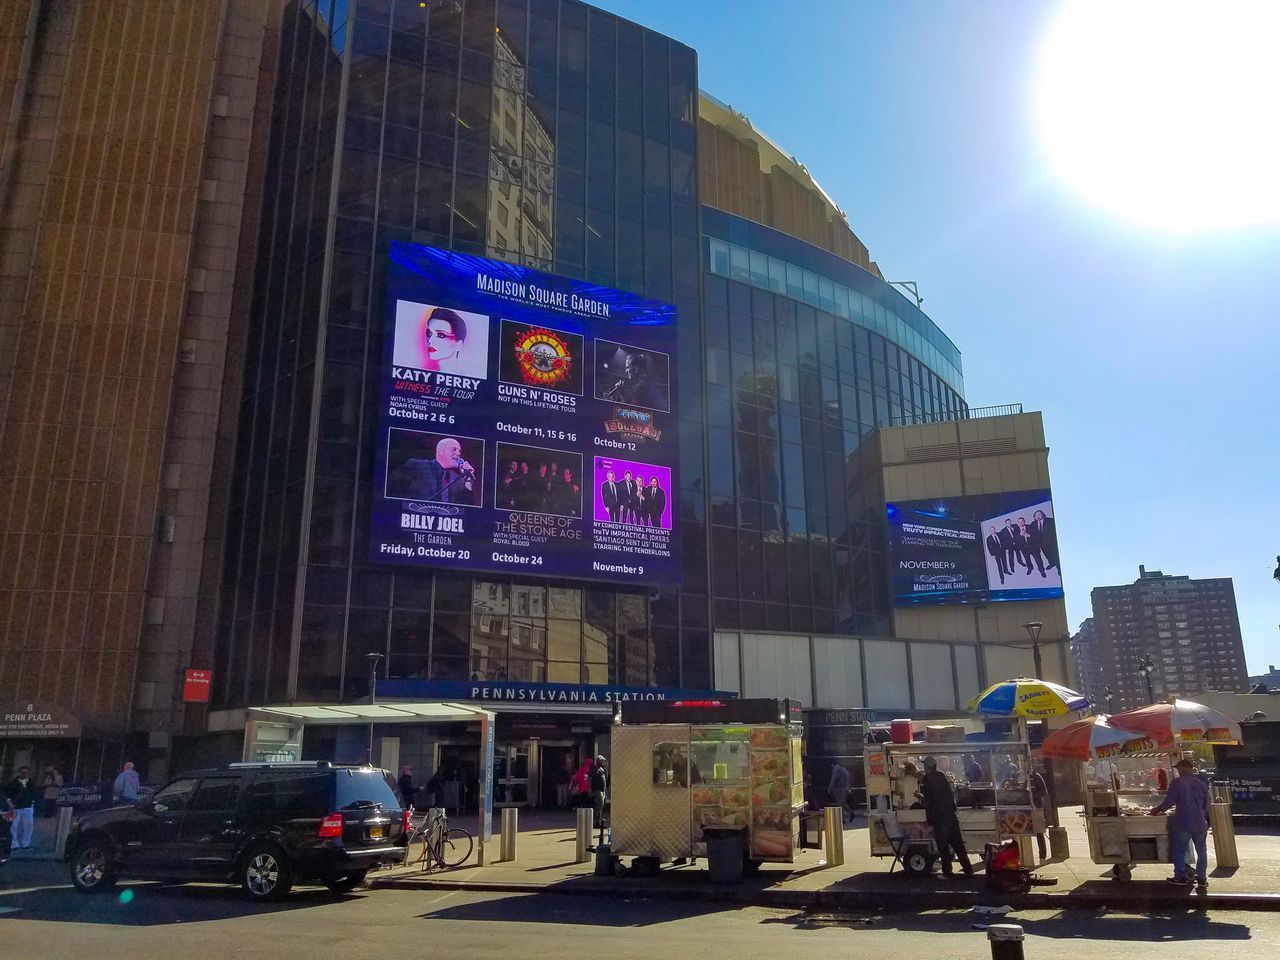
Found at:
(345, 882)
(265, 873)
(92, 870)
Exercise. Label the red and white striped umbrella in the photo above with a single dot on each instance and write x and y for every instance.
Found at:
(1093, 738)
(1184, 721)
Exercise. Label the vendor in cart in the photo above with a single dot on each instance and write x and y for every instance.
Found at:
(907, 786)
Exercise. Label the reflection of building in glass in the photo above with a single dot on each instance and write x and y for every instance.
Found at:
(521, 168)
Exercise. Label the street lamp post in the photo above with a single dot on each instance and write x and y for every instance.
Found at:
(1033, 628)
(1147, 667)
(1108, 695)
(373, 659)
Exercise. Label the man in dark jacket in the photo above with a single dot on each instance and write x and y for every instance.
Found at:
(599, 788)
(940, 812)
(435, 790)
(21, 797)
(405, 783)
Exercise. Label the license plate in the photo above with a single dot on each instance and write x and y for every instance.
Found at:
(375, 833)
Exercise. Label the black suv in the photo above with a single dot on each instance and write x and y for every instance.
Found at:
(262, 825)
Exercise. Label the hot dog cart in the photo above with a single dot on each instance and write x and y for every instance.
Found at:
(992, 791)
(681, 767)
(1119, 793)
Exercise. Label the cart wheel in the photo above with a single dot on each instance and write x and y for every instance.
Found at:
(1122, 872)
(918, 863)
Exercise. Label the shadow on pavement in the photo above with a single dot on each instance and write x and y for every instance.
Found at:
(1171, 925)
(549, 908)
(146, 904)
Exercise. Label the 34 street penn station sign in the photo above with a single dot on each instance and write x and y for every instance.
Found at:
(33, 720)
(514, 692)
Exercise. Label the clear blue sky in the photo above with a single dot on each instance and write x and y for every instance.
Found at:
(1156, 360)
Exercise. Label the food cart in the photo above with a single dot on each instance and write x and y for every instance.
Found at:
(992, 789)
(1120, 790)
(1126, 765)
(679, 767)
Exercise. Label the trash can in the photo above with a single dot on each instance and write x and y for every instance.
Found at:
(725, 853)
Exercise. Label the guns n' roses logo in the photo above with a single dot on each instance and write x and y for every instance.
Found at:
(544, 358)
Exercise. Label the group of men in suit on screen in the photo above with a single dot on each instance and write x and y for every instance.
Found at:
(632, 500)
(548, 488)
(1020, 542)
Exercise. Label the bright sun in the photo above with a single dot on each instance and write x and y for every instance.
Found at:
(1166, 112)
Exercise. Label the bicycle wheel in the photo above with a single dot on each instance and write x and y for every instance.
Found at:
(455, 848)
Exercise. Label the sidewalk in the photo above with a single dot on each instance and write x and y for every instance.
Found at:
(43, 840)
(546, 850)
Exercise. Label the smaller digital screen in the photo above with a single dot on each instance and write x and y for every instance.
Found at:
(976, 549)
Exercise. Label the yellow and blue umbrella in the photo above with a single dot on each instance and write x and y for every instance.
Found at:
(1026, 697)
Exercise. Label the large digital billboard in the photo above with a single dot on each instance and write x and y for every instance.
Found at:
(526, 422)
(975, 549)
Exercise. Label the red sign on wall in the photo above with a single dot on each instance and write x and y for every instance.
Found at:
(195, 686)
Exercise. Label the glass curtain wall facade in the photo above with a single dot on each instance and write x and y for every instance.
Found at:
(793, 393)
(543, 132)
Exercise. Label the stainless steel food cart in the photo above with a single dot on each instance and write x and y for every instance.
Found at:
(679, 767)
(1119, 793)
(993, 798)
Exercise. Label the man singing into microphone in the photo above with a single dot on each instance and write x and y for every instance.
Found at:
(446, 479)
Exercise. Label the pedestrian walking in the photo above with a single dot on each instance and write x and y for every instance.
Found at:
(52, 787)
(838, 789)
(405, 784)
(564, 778)
(125, 789)
(20, 795)
(580, 785)
(599, 790)
(940, 812)
(1189, 799)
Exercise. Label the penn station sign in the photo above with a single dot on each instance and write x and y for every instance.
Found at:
(33, 720)
(516, 692)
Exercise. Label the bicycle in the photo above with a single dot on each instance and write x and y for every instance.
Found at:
(443, 846)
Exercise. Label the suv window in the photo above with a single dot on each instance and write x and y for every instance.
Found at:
(174, 797)
(366, 788)
(218, 793)
(290, 795)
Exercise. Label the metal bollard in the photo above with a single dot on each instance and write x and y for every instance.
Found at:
(1005, 940)
(1224, 835)
(833, 829)
(65, 816)
(510, 829)
(583, 854)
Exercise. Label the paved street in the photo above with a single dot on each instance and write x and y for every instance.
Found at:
(42, 916)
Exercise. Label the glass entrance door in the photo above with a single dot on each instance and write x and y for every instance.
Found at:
(511, 765)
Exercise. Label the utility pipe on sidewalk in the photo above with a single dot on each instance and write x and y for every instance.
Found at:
(583, 852)
(510, 830)
(833, 827)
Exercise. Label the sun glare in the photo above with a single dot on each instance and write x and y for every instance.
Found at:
(1166, 113)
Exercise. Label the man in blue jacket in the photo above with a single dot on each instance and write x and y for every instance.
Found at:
(1189, 797)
